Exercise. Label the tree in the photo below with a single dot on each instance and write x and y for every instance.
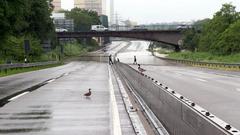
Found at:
(24, 19)
(4, 23)
(83, 19)
(213, 29)
(229, 41)
(40, 23)
(191, 36)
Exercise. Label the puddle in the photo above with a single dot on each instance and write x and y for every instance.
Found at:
(21, 130)
(31, 115)
(23, 124)
(36, 112)
(4, 114)
(29, 118)
(40, 106)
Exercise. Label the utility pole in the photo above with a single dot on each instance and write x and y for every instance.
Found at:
(111, 12)
(117, 22)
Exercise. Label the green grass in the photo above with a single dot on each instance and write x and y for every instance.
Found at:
(205, 57)
(22, 70)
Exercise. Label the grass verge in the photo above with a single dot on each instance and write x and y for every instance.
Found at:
(205, 57)
(23, 70)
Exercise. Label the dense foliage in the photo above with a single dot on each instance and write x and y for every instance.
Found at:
(219, 35)
(20, 20)
(83, 19)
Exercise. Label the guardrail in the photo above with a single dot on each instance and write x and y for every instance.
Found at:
(6, 67)
(217, 65)
(179, 115)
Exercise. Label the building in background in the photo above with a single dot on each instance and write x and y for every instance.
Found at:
(104, 21)
(96, 5)
(57, 5)
(79, 3)
(62, 23)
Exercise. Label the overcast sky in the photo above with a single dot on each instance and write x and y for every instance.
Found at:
(157, 11)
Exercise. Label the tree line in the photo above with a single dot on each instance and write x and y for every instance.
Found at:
(24, 20)
(219, 35)
(83, 19)
(31, 20)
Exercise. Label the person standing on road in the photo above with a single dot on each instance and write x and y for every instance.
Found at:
(135, 60)
(110, 60)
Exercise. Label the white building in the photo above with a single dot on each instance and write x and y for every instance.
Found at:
(96, 5)
(57, 5)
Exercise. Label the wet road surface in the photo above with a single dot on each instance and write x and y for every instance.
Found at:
(216, 91)
(12, 84)
(59, 107)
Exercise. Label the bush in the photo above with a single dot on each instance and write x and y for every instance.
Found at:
(13, 49)
(229, 41)
(205, 57)
(74, 49)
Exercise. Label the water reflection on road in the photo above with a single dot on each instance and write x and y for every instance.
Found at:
(140, 50)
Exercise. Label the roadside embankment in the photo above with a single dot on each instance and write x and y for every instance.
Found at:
(231, 63)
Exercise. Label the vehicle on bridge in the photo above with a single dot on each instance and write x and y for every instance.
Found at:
(184, 27)
(139, 28)
(61, 30)
(98, 28)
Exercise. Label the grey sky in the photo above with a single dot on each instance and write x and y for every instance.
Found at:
(156, 11)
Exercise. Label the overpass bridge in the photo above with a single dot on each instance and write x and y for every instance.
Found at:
(170, 37)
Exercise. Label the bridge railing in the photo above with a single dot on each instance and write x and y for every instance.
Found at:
(148, 27)
(179, 115)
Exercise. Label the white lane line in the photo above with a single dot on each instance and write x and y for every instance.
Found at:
(202, 80)
(51, 80)
(114, 109)
(13, 98)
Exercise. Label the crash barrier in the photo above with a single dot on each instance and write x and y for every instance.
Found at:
(179, 115)
(216, 65)
(6, 67)
(94, 57)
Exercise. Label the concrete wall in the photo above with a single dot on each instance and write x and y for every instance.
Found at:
(179, 115)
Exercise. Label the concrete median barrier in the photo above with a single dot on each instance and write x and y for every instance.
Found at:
(179, 115)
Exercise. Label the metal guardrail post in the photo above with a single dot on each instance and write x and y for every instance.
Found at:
(6, 67)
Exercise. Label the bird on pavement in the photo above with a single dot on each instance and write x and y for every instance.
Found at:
(88, 94)
(140, 69)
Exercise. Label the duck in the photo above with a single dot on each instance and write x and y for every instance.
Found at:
(140, 69)
(88, 94)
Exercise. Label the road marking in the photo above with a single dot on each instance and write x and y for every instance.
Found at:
(114, 108)
(13, 98)
(51, 80)
(202, 80)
